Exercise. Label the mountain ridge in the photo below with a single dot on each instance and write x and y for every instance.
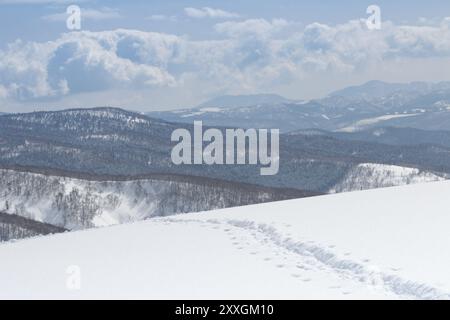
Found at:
(231, 101)
(418, 105)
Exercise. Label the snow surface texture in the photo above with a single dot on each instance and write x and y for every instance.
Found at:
(387, 243)
(370, 175)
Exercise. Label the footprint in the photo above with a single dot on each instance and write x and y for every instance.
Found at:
(306, 280)
(296, 275)
(280, 266)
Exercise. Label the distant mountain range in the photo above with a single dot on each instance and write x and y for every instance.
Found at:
(379, 89)
(417, 105)
(229, 101)
(108, 141)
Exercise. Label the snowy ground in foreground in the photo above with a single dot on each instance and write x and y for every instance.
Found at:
(387, 243)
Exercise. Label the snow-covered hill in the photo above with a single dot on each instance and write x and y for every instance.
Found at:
(371, 175)
(75, 203)
(386, 243)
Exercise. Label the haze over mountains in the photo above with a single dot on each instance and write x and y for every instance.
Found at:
(379, 89)
(418, 105)
(230, 101)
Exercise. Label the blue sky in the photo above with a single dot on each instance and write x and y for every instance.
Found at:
(26, 15)
(153, 55)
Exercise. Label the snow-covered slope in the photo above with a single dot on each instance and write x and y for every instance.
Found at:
(386, 243)
(81, 203)
(371, 175)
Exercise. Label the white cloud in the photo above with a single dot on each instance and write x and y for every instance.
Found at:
(86, 13)
(207, 12)
(253, 55)
(85, 61)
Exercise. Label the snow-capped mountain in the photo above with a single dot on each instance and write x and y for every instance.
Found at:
(379, 244)
(229, 101)
(284, 116)
(418, 105)
(379, 89)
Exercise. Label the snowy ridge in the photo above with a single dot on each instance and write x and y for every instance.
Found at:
(104, 113)
(371, 175)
